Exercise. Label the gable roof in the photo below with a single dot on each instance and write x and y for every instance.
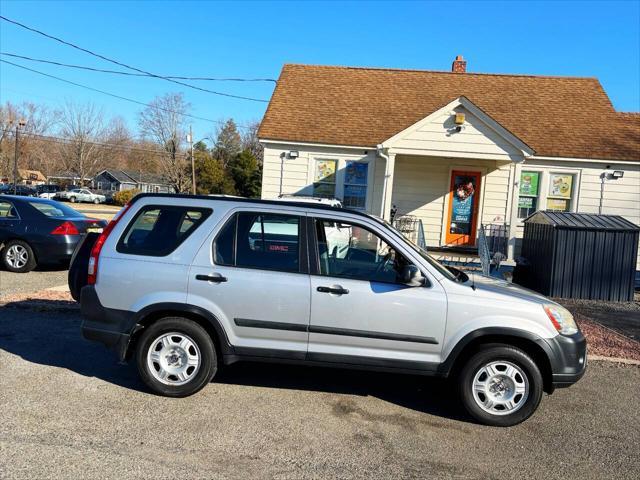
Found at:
(555, 116)
(135, 177)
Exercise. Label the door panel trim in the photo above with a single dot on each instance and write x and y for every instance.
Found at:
(368, 334)
(247, 322)
(299, 327)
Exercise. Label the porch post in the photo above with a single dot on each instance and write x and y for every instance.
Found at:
(513, 219)
(387, 191)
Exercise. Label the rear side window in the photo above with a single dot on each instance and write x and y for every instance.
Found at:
(157, 230)
(260, 240)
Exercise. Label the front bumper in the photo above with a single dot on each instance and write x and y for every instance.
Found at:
(113, 328)
(568, 358)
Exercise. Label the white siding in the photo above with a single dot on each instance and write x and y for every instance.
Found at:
(421, 185)
(621, 197)
(437, 136)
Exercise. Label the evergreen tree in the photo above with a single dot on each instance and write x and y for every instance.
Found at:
(228, 143)
(211, 176)
(246, 174)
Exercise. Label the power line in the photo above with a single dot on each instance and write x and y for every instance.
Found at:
(120, 72)
(119, 96)
(77, 47)
(68, 141)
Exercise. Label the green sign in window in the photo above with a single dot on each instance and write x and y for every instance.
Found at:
(529, 182)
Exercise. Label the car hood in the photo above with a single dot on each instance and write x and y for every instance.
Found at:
(499, 289)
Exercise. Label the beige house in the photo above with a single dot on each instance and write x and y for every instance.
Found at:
(457, 151)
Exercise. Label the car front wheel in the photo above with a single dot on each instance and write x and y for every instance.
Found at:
(18, 257)
(500, 385)
(176, 357)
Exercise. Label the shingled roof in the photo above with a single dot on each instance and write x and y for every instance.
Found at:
(556, 116)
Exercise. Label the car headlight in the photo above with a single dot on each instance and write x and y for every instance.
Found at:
(561, 319)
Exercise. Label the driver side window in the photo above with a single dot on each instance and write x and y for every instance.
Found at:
(351, 251)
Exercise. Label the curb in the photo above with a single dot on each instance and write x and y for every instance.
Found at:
(624, 361)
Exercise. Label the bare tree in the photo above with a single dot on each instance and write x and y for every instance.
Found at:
(250, 142)
(82, 126)
(163, 121)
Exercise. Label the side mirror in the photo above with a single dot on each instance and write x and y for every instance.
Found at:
(412, 276)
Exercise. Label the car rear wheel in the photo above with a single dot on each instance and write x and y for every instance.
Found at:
(500, 386)
(96, 201)
(176, 357)
(18, 257)
(72, 199)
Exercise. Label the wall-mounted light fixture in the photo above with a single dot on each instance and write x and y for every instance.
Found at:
(294, 154)
(604, 176)
(460, 118)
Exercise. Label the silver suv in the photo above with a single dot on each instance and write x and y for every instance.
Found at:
(186, 284)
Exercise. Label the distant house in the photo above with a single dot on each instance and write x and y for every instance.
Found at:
(67, 178)
(112, 180)
(26, 177)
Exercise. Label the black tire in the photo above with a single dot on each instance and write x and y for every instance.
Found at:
(501, 353)
(72, 199)
(31, 258)
(208, 363)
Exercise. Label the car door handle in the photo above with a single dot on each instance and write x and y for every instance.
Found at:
(217, 278)
(337, 290)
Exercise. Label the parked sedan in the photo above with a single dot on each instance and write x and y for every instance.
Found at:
(80, 195)
(48, 191)
(35, 231)
(22, 190)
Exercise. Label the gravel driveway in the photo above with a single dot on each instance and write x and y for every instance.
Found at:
(12, 283)
(70, 411)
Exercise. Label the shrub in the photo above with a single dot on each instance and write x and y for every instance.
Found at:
(124, 196)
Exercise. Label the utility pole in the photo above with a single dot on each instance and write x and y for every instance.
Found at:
(193, 168)
(21, 123)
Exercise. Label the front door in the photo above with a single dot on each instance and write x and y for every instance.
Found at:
(464, 203)
(361, 313)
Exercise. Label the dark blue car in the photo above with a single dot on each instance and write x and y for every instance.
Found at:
(36, 231)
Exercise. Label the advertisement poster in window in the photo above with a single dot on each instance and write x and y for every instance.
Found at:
(356, 173)
(462, 206)
(529, 182)
(325, 170)
(558, 204)
(526, 202)
(560, 185)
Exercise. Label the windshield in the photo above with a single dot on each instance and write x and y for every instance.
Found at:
(423, 253)
(55, 209)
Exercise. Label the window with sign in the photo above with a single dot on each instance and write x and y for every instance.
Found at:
(529, 193)
(324, 184)
(355, 185)
(560, 192)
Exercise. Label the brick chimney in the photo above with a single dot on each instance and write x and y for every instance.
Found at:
(459, 65)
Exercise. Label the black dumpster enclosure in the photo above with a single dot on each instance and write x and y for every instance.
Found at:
(579, 255)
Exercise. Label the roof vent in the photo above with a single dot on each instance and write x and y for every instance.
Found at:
(459, 65)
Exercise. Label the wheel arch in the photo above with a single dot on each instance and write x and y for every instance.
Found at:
(152, 313)
(530, 343)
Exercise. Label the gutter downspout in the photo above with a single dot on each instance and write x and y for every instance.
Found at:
(380, 150)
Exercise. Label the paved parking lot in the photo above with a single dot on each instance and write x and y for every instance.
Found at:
(70, 411)
(15, 283)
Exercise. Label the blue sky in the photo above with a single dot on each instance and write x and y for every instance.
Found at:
(254, 39)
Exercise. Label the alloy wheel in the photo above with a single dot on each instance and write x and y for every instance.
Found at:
(173, 358)
(17, 256)
(500, 388)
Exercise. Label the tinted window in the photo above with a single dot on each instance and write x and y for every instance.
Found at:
(159, 230)
(7, 210)
(267, 241)
(223, 245)
(350, 251)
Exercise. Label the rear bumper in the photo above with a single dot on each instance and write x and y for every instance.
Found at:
(568, 358)
(56, 251)
(113, 328)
